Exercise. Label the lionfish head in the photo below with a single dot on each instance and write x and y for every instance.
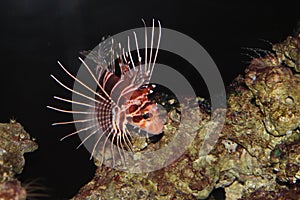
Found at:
(149, 120)
(143, 113)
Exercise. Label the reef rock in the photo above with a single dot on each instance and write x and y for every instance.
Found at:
(257, 154)
(14, 142)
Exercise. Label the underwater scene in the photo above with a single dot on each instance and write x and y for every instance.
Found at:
(149, 100)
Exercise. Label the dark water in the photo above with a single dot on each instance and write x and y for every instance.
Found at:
(35, 34)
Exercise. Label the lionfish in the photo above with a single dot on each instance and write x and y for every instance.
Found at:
(120, 100)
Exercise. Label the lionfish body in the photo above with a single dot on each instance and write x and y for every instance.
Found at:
(133, 107)
(120, 100)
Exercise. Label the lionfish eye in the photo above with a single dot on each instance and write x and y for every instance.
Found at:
(147, 115)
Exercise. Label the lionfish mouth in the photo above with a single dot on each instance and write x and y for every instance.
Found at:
(120, 99)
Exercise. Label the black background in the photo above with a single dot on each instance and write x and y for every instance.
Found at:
(35, 34)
